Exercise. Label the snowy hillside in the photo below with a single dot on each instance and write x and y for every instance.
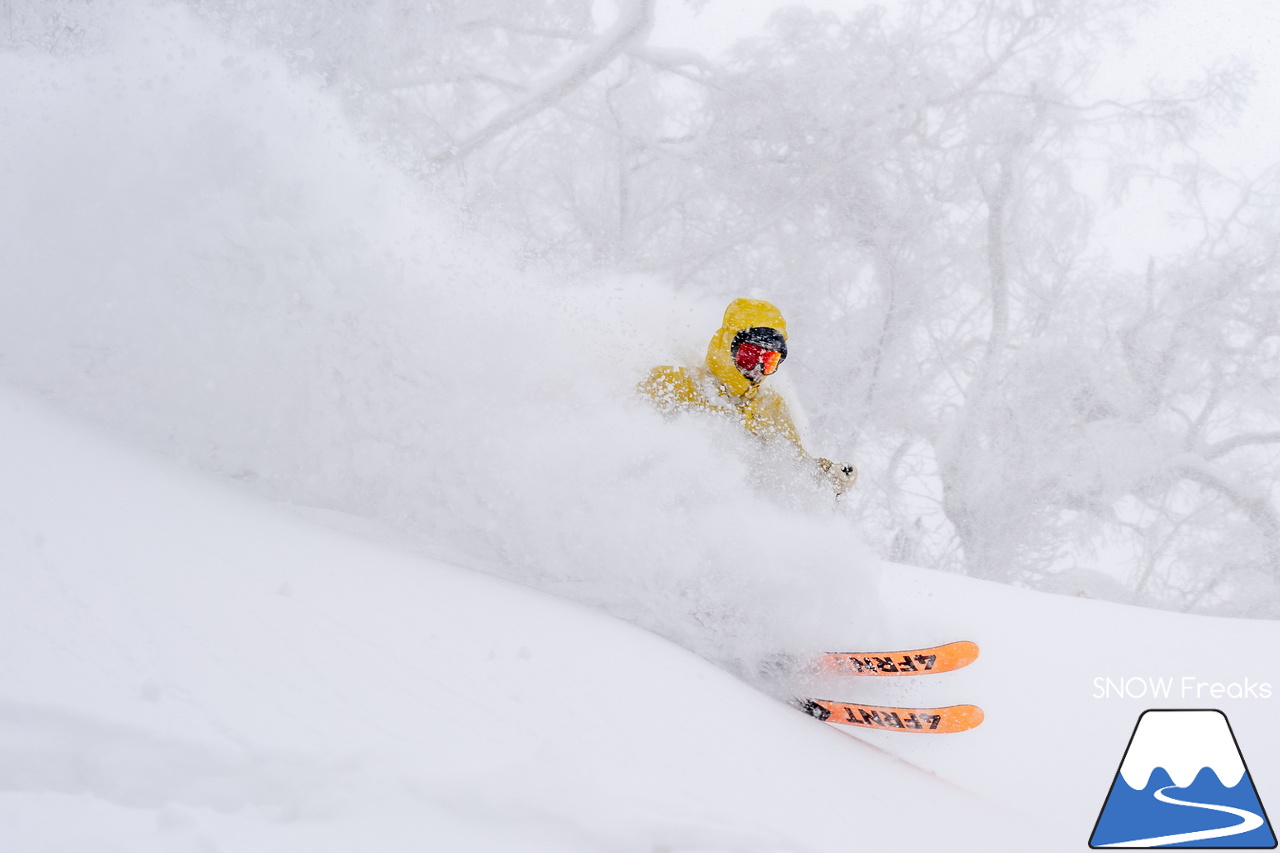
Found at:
(188, 667)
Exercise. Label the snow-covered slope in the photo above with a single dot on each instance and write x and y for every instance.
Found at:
(189, 667)
(1063, 681)
(186, 667)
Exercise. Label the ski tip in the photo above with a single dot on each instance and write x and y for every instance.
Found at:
(972, 716)
(965, 652)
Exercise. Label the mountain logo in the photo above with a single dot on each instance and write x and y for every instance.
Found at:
(1183, 783)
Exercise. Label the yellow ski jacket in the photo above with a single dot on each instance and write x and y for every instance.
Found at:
(720, 387)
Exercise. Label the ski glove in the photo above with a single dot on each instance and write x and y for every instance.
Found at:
(842, 476)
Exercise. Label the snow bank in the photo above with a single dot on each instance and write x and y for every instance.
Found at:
(202, 253)
(188, 668)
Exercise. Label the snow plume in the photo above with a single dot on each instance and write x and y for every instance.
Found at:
(199, 251)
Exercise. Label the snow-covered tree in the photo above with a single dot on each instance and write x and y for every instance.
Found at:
(919, 186)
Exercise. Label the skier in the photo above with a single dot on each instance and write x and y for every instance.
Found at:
(750, 345)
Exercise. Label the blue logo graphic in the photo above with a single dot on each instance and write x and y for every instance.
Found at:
(1183, 783)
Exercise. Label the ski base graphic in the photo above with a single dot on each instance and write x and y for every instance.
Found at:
(946, 720)
(944, 658)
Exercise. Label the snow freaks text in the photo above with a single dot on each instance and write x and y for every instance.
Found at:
(1186, 687)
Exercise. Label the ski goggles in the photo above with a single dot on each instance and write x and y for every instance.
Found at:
(759, 351)
(751, 358)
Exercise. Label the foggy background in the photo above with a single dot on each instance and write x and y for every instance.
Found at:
(408, 260)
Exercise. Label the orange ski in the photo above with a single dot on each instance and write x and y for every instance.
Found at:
(953, 718)
(944, 658)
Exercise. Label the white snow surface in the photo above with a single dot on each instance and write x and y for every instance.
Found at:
(1183, 743)
(187, 666)
(325, 527)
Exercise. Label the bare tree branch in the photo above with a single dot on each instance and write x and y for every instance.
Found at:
(634, 20)
(521, 29)
(1255, 504)
(1222, 448)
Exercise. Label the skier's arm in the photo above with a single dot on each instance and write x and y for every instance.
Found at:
(840, 476)
(670, 390)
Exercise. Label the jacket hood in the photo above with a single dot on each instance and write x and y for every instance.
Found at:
(742, 314)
